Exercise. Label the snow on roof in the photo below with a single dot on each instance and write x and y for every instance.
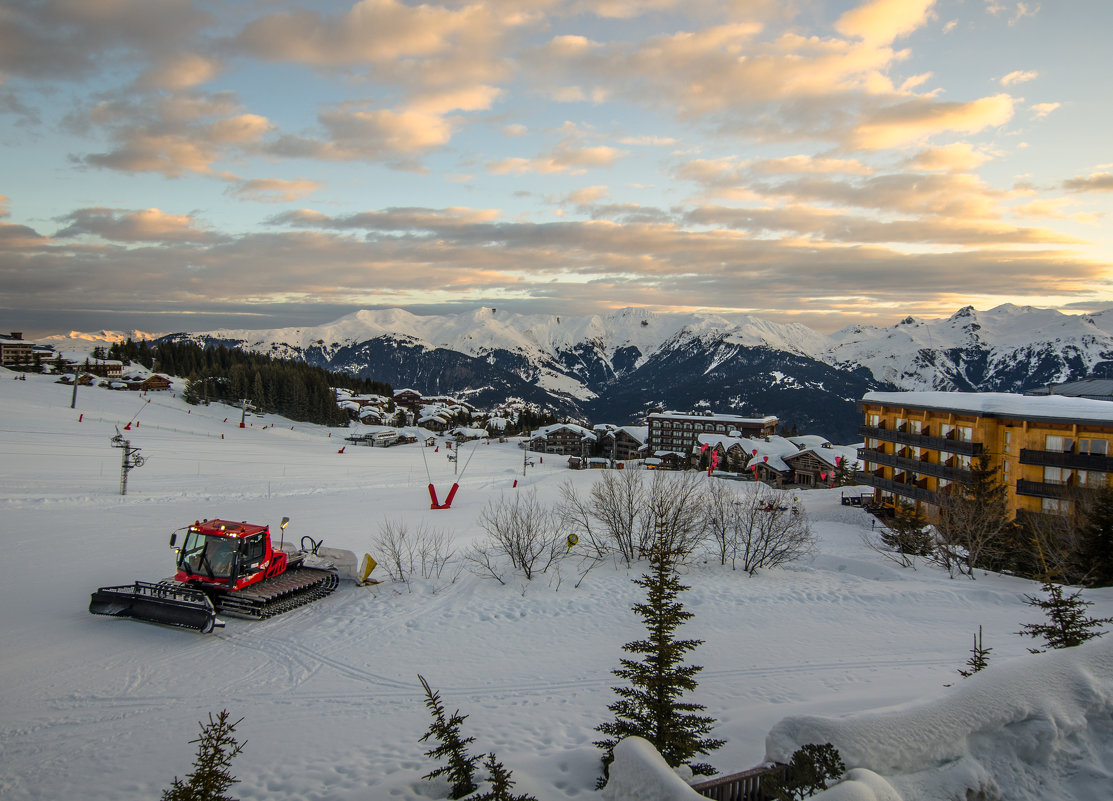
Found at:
(769, 451)
(471, 433)
(639, 433)
(725, 441)
(1001, 404)
(809, 441)
(544, 432)
(722, 418)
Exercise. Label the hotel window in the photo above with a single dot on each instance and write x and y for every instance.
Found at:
(1098, 447)
(945, 430)
(874, 420)
(1091, 478)
(915, 426)
(900, 424)
(1008, 442)
(1055, 475)
(1058, 444)
(1054, 506)
(964, 434)
(1005, 470)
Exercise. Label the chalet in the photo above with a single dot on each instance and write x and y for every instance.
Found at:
(666, 460)
(566, 439)
(152, 383)
(819, 461)
(409, 399)
(627, 442)
(108, 368)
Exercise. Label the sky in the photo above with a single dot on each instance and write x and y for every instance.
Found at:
(168, 165)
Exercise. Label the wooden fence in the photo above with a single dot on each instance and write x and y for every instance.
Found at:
(744, 786)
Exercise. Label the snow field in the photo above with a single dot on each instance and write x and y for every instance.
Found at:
(102, 708)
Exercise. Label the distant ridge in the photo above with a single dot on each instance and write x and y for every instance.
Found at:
(617, 366)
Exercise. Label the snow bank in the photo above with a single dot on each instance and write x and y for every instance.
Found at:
(1035, 728)
(640, 773)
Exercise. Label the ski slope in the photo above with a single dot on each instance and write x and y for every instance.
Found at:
(101, 708)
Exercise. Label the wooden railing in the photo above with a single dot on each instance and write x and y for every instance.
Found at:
(744, 786)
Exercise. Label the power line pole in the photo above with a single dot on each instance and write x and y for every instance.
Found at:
(130, 459)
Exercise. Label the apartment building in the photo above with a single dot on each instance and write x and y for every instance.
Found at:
(919, 444)
(679, 432)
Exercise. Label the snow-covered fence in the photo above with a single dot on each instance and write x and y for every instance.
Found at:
(744, 786)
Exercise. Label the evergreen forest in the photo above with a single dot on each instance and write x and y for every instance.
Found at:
(287, 387)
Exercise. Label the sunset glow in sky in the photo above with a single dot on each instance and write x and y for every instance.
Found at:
(171, 165)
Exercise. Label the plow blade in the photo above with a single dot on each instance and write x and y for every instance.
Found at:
(167, 603)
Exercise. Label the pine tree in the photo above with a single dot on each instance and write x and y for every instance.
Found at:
(809, 770)
(216, 748)
(460, 767)
(979, 657)
(651, 707)
(500, 784)
(907, 533)
(1067, 624)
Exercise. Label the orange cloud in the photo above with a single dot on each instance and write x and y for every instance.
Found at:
(959, 157)
(919, 119)
(882, 21)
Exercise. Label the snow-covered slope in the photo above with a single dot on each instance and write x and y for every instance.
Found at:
(98, 708)
(1005, 349)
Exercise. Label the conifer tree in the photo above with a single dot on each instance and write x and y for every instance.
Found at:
(808, 772)
(979, 657)
(1095, 546)
(216, 748)
(460, 767)
(651, 707)
(1067, 624)
(500, 784)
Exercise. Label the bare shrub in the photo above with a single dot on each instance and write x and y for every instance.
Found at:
(618, 502)
(404, 553)
(524, 531)
(674, 516)
(757, 529)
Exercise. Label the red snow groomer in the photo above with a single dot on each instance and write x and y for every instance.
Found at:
(229, 568)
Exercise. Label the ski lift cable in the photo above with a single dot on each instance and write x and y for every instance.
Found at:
(475, 444)
(428, 475)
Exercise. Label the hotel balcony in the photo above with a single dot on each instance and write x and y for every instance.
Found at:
(916, 465)
(898, 488)
(1098, 462)
(922, 440)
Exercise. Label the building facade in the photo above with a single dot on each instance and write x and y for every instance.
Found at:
(677, 432)
(14, 349)
(918, 445)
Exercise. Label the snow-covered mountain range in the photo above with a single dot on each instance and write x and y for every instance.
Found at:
(617, 366)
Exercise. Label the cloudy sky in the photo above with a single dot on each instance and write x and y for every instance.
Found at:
(171, 165)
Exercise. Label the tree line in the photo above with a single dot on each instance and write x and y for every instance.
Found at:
(287, 387)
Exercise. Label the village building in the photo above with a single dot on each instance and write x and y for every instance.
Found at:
(679, 432)
(623, 443)
(14, 349)
(919, 445)
(565, 439)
